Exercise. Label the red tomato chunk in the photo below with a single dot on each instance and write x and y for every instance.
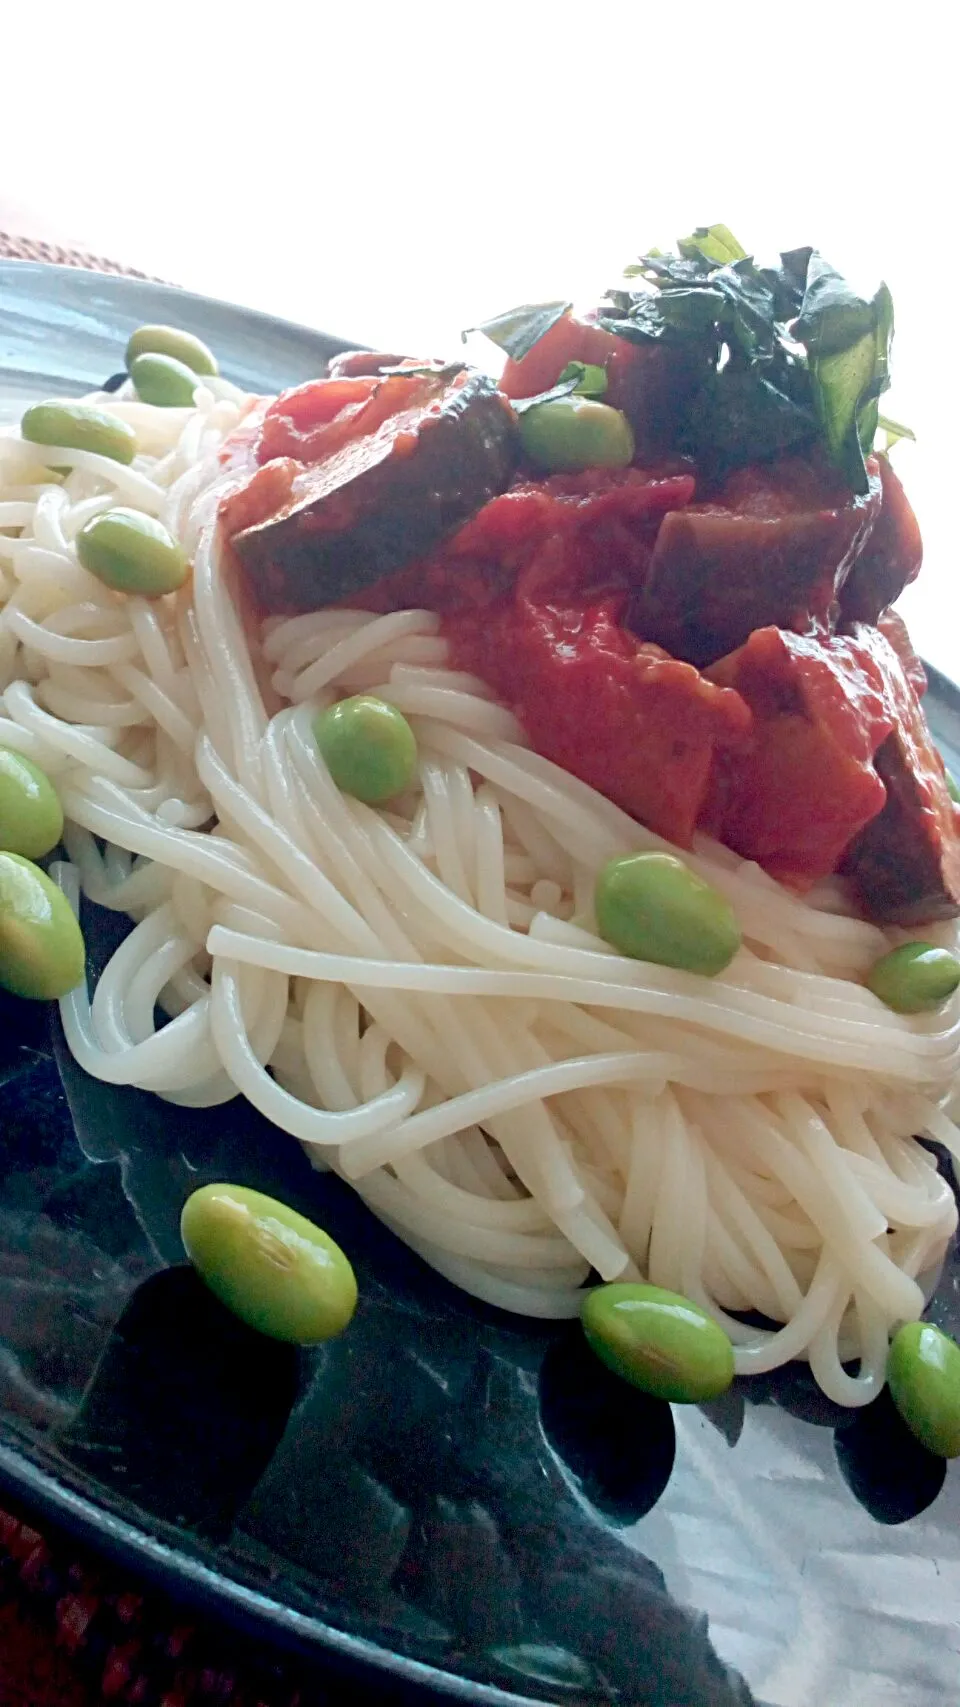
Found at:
(800, 792)
(624, 717)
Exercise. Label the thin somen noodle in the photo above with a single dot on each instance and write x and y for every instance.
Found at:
(418, 993)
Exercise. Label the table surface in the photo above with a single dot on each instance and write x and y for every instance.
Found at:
(396, 177)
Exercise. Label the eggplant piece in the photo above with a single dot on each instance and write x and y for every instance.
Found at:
(771, 550)
(905, 864)
(889, 560)
(436, 447)
(357, 364)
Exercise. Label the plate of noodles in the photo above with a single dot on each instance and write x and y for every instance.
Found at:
(505, 823)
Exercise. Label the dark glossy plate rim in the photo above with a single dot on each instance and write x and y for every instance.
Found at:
(225, 1598)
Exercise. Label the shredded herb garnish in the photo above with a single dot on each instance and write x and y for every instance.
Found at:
(788, 355)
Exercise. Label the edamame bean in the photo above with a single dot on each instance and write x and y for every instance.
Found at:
(653, 907)
(576, 432)
(658, 1341)
(163, 380)
(31, 817)
(75, 426)
(953, 790)
(171, 341)
(132, 553)
(368, 747)
(923, 1374)
(272, 1267)
(41, 948)
(914, 978)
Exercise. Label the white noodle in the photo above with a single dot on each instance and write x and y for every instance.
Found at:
(418, 994)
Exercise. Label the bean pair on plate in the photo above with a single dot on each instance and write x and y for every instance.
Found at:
(166, 365)
(41, 946)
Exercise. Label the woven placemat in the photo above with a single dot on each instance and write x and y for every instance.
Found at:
(14, 248)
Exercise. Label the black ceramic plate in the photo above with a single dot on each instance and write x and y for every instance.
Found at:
(448, 1503)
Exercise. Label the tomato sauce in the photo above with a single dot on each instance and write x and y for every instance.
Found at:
(695, 662)
(806, 785)
(533, 592)
(626, 718)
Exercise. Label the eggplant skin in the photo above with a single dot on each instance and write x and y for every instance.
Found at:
(383, 500)
(891, 558)
(354, 364)
(769, 551)
(905, 863)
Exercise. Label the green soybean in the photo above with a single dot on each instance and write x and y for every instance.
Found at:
(31, 817)
(132, 553)
(41, 948)
(368, 747)
(171, 341)
(658, 1341)
(953, 790)
(272, 1267)
(163, 380)
(571, 433)
(653, 907)
(923, 1374)
(75, 426)
(915, 978)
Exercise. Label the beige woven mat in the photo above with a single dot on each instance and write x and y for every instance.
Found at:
(13, 248)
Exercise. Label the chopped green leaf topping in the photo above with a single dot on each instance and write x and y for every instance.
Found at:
(587, 379)
(590, 379)
(565, 387)
(715, 243)
(519, 329)
(847, 340)
(893, 431)
(788, 355)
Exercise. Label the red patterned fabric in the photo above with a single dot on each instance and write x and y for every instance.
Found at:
(74, 1634)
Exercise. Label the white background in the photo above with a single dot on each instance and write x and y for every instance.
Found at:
(397, 173)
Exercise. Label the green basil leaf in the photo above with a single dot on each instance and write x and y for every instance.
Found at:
(894, 431)
(833, 316)
(636, 315)
(739, 416)
(689, 310)
(637, 269)
(591, 379)
(716, 243)
(519, 329)
(662, 270)
(789, 353)
(749, 320)
(563, 388)
(847, 338)
(787, 282)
